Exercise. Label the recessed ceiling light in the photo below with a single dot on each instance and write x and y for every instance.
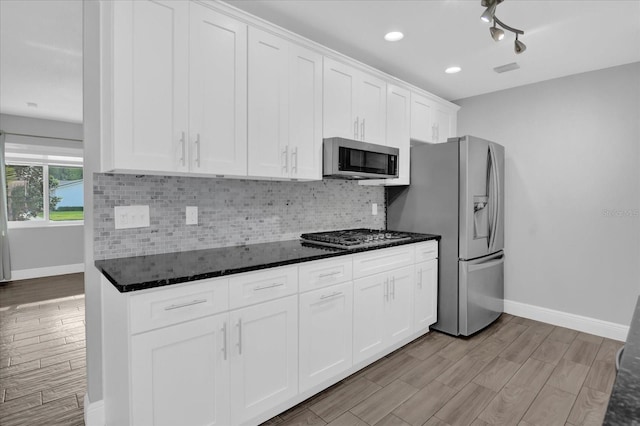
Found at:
(394, 36)
(452, 70)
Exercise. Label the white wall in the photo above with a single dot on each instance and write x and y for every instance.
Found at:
(572, 155)
(35, 251)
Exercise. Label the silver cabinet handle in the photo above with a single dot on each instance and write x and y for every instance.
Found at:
(224, 340)
(329, 274)
(420, 278)
(393, 287)
(285, 154)
(294, 165)
(386, 289)
(239, 344)
(355, 126)
(184, 149)
(198, 150)
(264, 287)
(184, 305)
(362, 127)
(337, 293)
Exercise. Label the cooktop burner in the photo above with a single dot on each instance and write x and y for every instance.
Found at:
(354, 238)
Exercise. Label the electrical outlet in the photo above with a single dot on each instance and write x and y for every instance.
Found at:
(192, 215)
(374, 209)
(127, 217)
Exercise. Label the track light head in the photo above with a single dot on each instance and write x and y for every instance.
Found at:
(519, 46)
(496, 32)
(487, 16)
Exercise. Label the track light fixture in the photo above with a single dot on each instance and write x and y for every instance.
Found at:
(496, 33)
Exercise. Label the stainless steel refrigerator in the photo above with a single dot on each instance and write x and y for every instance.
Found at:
(457, 191)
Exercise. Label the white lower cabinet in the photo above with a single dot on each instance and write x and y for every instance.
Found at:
(326, 338)
(264, 357)
(180, 374)
(426, 295)
(238, 350)
(382, 311)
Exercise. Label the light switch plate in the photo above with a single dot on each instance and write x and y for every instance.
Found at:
(374, 209)
(127, 217)
(192, 215)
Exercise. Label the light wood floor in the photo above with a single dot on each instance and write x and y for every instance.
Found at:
(516, 372)
(42, 351)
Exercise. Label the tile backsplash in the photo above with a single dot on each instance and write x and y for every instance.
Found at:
(230, 212)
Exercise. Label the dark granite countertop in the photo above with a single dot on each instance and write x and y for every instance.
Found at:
(143, 272)
(624, 405)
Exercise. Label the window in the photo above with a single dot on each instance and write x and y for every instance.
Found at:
(29, 199)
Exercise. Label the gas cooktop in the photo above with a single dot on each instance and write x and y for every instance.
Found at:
(355, 238)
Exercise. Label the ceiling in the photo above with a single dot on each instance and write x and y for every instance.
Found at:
(562, 38)
(41, 43)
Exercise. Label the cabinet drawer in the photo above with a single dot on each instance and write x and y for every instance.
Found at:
(168, 306)
(313, 275)
(267, 284)
(382, 260)
(426, 251)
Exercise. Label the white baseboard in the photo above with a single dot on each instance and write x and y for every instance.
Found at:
(93, 412)
(576, 322)
(49, 271)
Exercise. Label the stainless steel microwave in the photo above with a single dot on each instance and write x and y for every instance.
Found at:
(349, 159)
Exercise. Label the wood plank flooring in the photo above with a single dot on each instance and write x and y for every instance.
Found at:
(516, 372)
(42, 351)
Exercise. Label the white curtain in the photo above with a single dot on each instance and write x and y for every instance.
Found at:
(5, 260)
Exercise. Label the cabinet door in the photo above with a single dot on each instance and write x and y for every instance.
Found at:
(400, 304)
(218, 93)
(268, 105)
(371, 110)
(339, 103)
(426, 295)
(398, 114)
(445, 123)
(326, 337)
(180, 374)
(264, 357)
(421, 119)
(305, 113)
(150, 85)
(369, 322)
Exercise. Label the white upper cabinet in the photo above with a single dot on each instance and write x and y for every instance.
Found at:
(150, 85)
(444, 123)
(186, 88)
(354, 104)
(285, 80)
(305, 113)
(179, 89)
(398, 128)
(217, 93)
(431, 121)
(268, 104)
(421, 118)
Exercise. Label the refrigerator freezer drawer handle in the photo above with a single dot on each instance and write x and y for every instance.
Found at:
(486, 265)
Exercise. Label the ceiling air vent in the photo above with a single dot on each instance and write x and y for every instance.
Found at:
(508, 67)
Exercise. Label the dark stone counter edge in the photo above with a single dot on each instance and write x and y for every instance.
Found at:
(224, 272)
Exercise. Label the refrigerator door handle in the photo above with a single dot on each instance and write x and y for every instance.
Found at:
(495, 197)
